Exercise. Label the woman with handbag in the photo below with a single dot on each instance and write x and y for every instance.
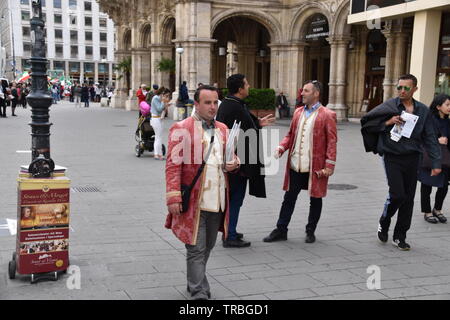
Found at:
(158, 109)
(440, 110)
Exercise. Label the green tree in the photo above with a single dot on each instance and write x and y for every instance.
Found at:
(124, 68)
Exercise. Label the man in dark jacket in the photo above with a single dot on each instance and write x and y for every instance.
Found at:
(401, 157)
(282, 105)
(233, 108)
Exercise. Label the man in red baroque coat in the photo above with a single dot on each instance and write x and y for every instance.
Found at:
(190, 143)
(311, 141)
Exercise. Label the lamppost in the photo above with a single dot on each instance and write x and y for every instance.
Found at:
(12, 38)
(180, 51)
(39, 99)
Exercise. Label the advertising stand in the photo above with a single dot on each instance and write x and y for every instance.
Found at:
(43, 213)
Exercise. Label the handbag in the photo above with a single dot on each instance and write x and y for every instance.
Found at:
(186, 190)
(445, 158)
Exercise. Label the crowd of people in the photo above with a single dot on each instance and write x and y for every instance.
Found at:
(12, 95)
(205, 197)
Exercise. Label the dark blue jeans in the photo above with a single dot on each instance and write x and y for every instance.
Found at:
(238, 187)
(297, 182)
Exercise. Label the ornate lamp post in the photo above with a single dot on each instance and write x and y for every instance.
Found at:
(39, 99)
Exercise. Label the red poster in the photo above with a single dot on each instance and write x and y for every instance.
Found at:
(43, 227)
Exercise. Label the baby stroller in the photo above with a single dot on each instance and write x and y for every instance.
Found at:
(145, 137)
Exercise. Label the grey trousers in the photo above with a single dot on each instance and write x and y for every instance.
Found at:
(197, 256)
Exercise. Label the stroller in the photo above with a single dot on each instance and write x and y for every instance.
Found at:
(145, 137)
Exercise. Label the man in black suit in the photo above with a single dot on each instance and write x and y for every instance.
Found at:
(282, 105)
(233, 108)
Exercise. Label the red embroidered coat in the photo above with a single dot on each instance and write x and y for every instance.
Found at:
(186, 137)
(322, 151)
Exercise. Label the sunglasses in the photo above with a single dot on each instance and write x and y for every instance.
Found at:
(400, 88)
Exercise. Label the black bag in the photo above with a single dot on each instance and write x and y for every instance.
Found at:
(186, 190)
(445, 158)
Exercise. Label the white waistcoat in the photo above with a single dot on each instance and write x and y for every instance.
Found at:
(213, 197)
(300, 157)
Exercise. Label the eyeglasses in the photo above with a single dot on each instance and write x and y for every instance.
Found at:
(400, 88)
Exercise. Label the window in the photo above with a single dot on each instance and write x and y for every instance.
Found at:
(57, 18)
(26, 15)
(102, 67)
(88, 21)
(59, 50)
(73, 4)
(88, 50)
(59, 65)
(103, 51)
(27, 47)
(57, 4)
(26, 32)
(74, 66)
(74, 51)
(102, 22)
(87, 6)
(88, 36)
(73, 35)
(73, 20)
(103, 36)
(89, 67)
(58, 34)
(26, 2)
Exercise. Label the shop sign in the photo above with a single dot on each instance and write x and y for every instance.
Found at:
(318, 28)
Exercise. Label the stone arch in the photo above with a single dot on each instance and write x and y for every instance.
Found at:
(272, 25)
(126, 42)
(145, 35)
(168, 26)
(340, 25)
(297, 30)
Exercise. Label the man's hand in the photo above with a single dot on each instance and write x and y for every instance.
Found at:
(394, 120)
(443, 140)
(232, 165)
(175, 208)
(327, 172)
(277, 153)
(435, 172)
(266, 121)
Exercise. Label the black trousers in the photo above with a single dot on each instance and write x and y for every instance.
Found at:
(297, 182)
(401, 173)
(425, 192)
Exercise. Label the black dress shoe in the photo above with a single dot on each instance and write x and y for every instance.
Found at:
(238, 243)
(276, 235)
(239, 236)
(310, 238)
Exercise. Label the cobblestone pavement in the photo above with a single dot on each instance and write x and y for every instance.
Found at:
(124, 252)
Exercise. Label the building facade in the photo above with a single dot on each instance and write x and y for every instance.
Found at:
(277, 44)
(80, 39)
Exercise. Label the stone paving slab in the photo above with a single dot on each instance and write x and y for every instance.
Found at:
(124, 252)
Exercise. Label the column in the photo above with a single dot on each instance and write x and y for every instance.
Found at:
(338, 76)
(81, 71)
(96, 72)
(389, 80)
(425, 45)
(110, 73)
(401, 40)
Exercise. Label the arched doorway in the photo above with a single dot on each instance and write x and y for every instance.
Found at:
(241, 47)
(167, 54)
(375, 69)
(317, 55)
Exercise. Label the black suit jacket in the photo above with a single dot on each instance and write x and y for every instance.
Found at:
(234, 109)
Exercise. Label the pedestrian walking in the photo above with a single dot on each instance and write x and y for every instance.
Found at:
(233, 108)
(92, 93)
(23, 95)
(400, 154)
(440, 110)
(77, 95)
(3, 97)
(159, 108)
(311, 142)
(208, 209)
(14, 98)
(85, 95)
(55, 94)
(282, 105)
